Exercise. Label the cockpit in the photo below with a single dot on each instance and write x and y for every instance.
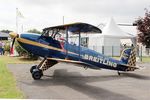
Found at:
(52, 37)
(55, 34)
(71, 33)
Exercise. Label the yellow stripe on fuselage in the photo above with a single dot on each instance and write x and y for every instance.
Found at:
(42, 45)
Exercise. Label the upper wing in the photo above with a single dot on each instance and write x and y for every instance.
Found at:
(76, 27)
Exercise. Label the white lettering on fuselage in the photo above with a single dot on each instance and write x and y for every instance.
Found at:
(101, 60)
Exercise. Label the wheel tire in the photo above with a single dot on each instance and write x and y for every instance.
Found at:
(37, 74)
(32, 68)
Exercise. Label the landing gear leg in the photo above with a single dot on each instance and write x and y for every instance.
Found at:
(37, 70)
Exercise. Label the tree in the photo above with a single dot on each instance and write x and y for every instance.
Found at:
(24, 53)
(34, 31)
(20, 50)
(143, 27)
(6, 31)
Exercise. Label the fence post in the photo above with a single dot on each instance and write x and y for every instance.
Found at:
(112, 51)
(103, 50)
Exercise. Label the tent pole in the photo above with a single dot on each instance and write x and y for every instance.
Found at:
(79, 46)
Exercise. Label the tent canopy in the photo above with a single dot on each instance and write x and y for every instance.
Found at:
(112, 30)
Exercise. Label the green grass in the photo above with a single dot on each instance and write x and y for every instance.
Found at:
(145, 59)
(8, 87)
(16, 60)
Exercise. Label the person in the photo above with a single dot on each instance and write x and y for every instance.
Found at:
(3, 51)
(1, 48)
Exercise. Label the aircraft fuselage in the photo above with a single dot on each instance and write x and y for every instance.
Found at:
(51, 48)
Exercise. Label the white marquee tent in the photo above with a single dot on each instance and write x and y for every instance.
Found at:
(109, 42)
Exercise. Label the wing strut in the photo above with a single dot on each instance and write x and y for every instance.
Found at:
(66, 42)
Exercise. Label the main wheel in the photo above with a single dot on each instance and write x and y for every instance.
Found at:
(32, 68)
(37, 74)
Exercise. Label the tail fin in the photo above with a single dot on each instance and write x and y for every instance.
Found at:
(128, 56)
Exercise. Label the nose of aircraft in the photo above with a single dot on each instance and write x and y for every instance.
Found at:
(13, 35)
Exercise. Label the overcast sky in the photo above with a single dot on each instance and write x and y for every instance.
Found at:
(44, 13)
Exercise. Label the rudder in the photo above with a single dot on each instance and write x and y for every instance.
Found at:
(128, 56)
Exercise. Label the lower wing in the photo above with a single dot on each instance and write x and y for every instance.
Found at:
(82, 64)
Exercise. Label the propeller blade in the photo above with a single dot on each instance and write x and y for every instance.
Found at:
(13, 36)
(12, 49)
(13, 42)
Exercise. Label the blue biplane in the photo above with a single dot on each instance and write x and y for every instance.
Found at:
(54, 49)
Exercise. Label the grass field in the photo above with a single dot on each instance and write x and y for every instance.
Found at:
(8, 88)
(145, 59)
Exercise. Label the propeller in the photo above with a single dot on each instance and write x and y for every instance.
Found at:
(13, 36)
(13, 42)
